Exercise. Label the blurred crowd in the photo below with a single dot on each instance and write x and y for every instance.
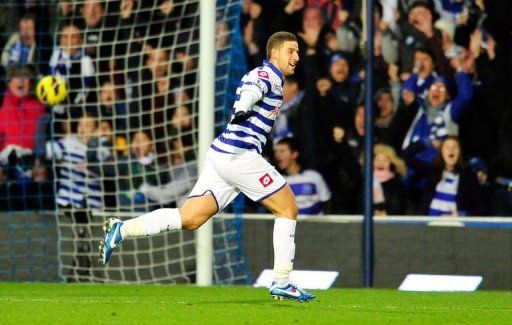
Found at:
(442, 106)
(125, 138)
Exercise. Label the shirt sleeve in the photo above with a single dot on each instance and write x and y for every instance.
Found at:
(54, 149)
(258, 82)
(324, 193)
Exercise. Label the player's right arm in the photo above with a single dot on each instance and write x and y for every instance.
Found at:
(252, 91)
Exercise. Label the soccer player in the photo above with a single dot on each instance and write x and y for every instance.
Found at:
(234, 164)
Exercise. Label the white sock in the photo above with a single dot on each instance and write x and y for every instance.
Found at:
(152, 223)
(284, 249)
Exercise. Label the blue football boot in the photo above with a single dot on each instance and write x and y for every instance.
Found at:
(290, 291)
(111, 238)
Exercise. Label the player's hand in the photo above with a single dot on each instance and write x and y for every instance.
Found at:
(241, 117)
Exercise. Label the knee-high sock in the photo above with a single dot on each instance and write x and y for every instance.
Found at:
(152, 223)
(284, 249)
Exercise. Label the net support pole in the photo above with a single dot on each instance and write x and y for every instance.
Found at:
(368, 248)
(207, 54)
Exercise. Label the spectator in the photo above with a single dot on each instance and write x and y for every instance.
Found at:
(417, 31)
(438, 116)
(385, 111)
(182, 173)
(164, 22)
(338, 95)
(389, 195)
(290, 16)
(112, 106)
(98, 34)
(423, 73)
(451, 189)
(133, 172)
(451, 10)
(23, 47)
(451, 50)
(308, 185)
(342, 171)
(153, 89)
(19, 114)
(79, 190)
(292, 96)
(77, 187)
(311, 47)
(71, 62)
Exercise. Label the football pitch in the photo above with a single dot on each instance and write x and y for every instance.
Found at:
(36, 303)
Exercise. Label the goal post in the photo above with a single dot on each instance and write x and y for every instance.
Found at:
(207, 54)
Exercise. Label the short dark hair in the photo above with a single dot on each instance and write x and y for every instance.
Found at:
(277, 40)
(424, 50)
(70, 23)
(292, 143)
(22, 71)
(28, 16)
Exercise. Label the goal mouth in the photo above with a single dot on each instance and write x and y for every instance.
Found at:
(125, 140)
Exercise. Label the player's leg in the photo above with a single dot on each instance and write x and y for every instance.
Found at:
(282, 204)
(195, 212)
(284, 207)
(261, 182)
(210, 194)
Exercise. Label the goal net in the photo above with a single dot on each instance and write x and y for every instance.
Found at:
(124, 142)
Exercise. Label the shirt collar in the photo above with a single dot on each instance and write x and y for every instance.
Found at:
(274, 68)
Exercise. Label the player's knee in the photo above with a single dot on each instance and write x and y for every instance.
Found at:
(190, 223)
(289, 211)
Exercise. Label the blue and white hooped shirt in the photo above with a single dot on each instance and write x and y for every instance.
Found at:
(251, 135)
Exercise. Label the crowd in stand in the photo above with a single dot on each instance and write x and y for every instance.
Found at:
(442, 104)
(126, 138)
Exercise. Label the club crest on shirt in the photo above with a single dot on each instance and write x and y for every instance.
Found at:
(263, 74)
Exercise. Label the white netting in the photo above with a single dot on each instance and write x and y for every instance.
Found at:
(125, 140)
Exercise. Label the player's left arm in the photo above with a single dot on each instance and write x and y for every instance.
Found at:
(252, 91)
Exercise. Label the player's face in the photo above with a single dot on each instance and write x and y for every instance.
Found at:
(450, 151)
(288, 57)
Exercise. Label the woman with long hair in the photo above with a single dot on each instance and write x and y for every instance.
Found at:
(451, 188)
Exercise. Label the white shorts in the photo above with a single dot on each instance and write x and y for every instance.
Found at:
(226, 175)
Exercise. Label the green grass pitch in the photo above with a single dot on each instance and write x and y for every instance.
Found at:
(37, 303)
